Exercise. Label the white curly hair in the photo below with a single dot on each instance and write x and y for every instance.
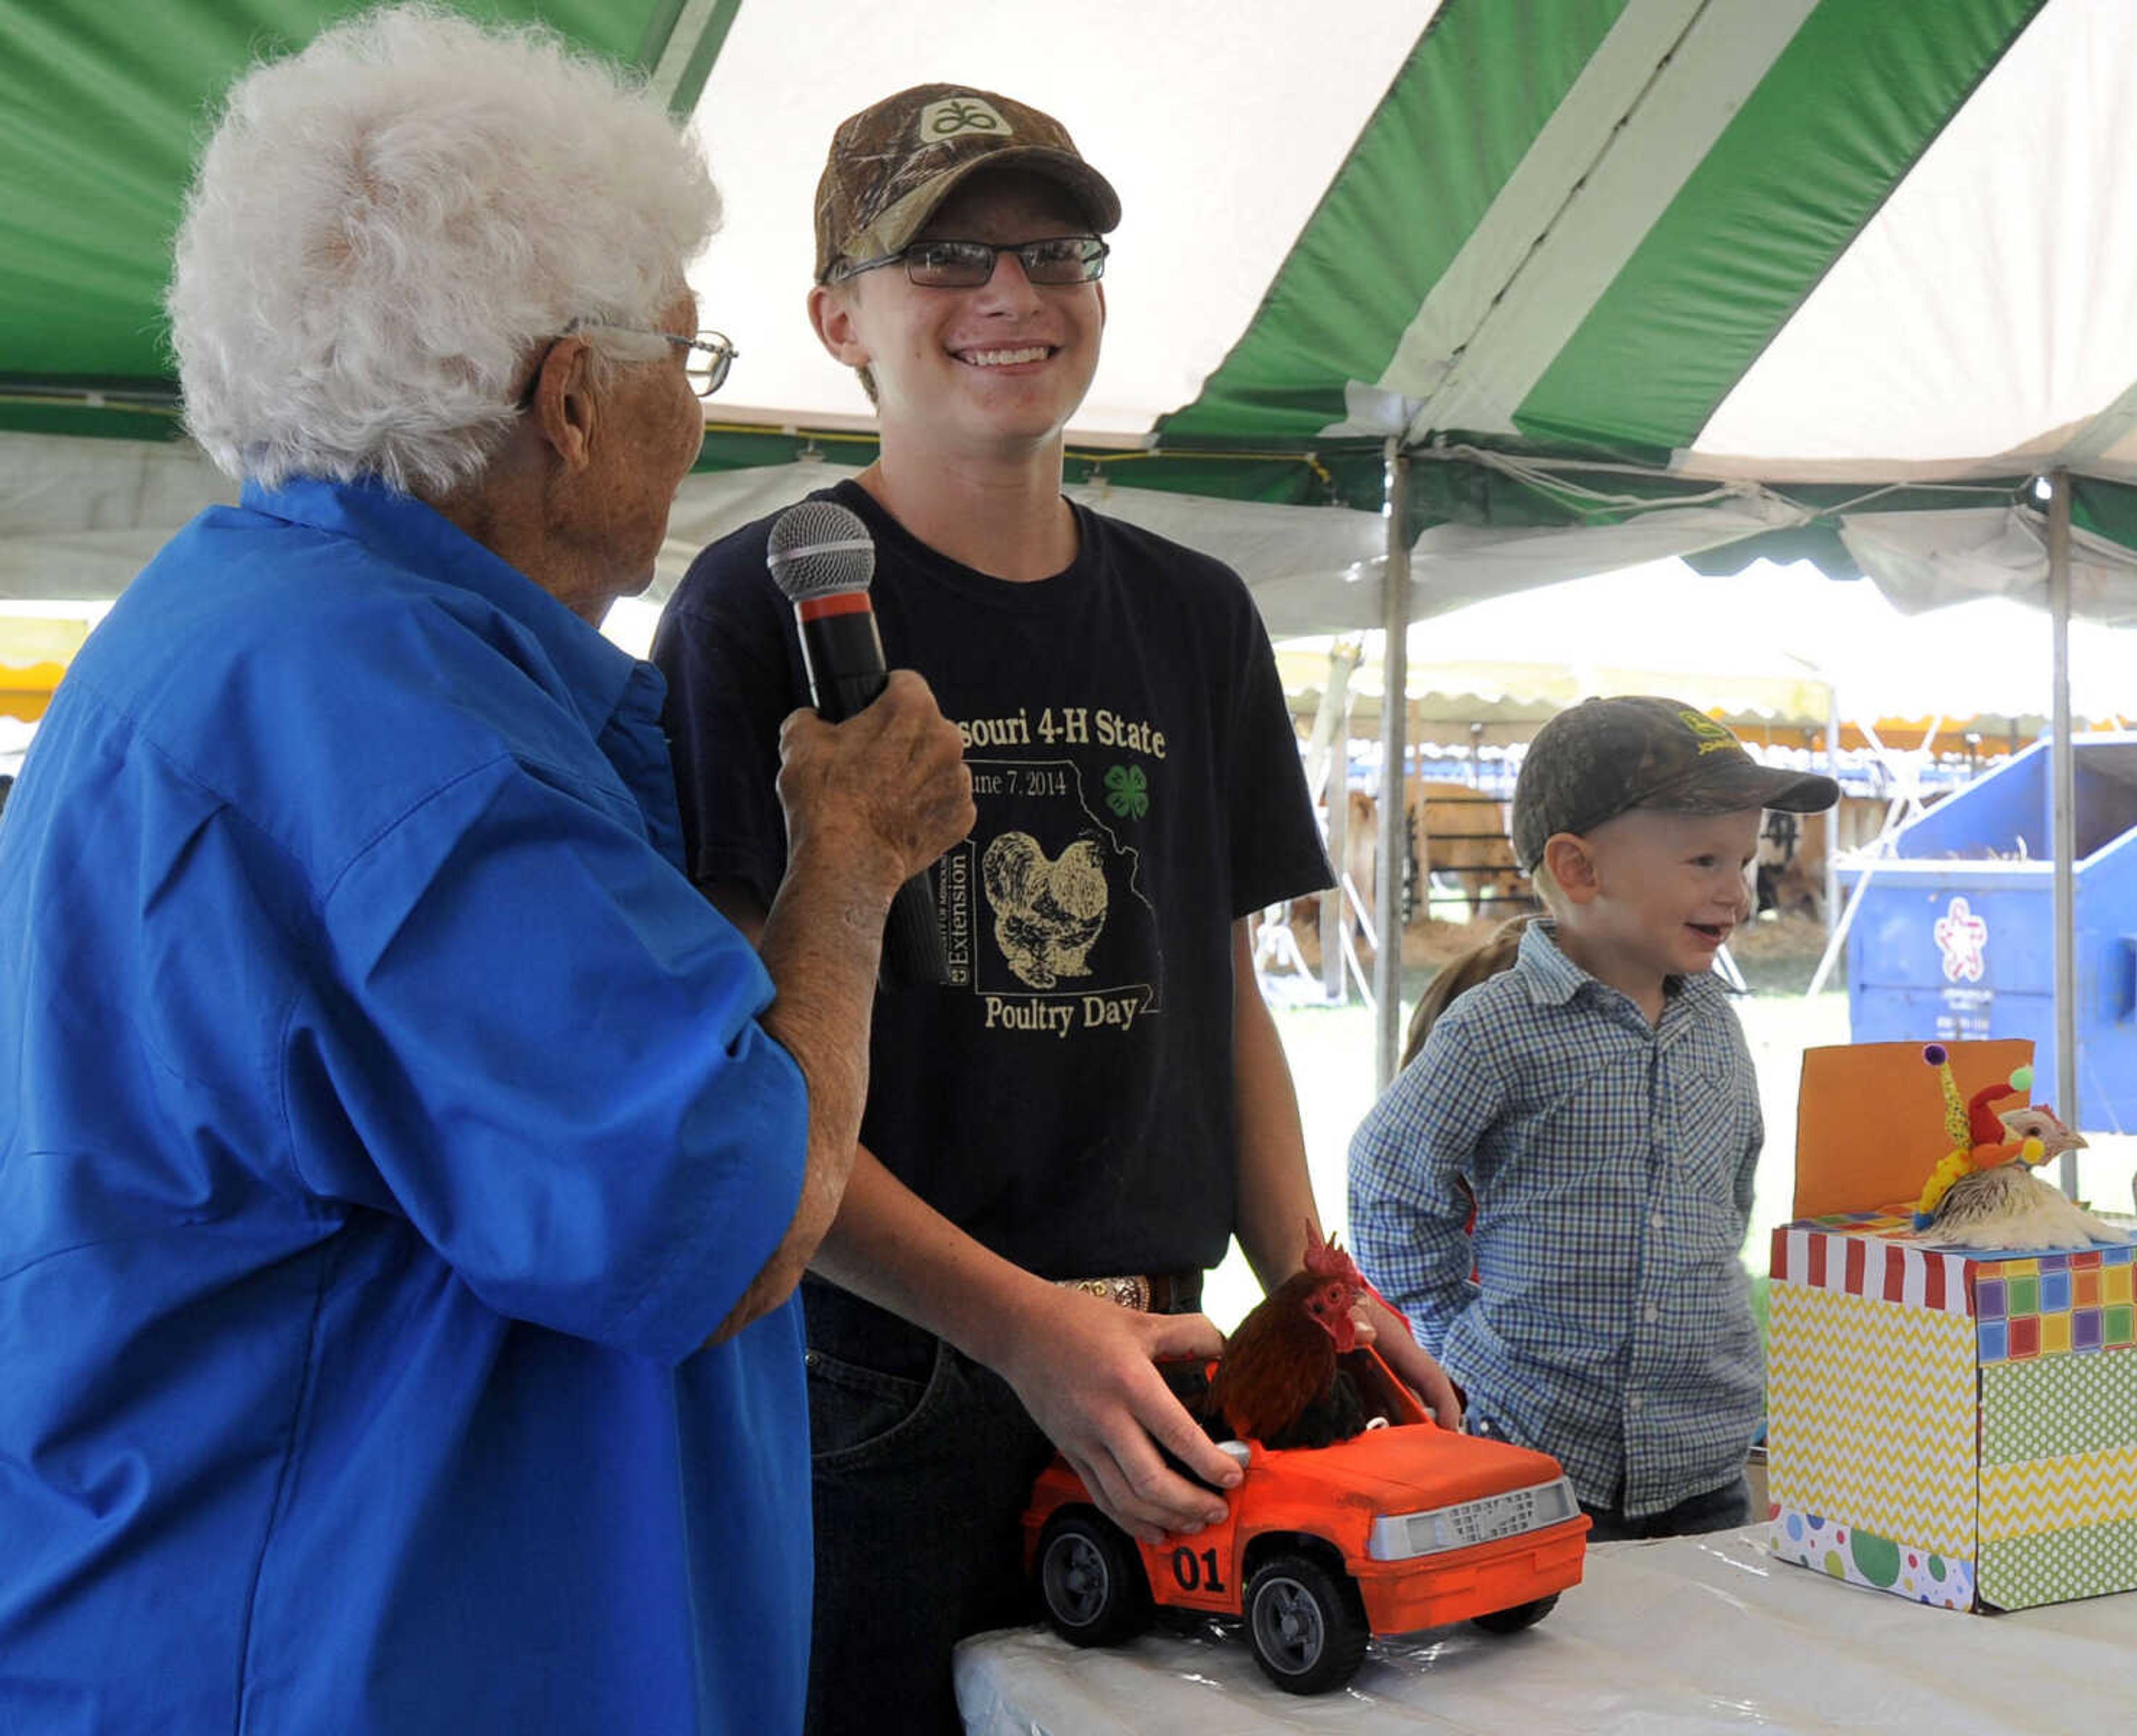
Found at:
(385, 225)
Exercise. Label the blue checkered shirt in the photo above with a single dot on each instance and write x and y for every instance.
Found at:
(1607, 1320)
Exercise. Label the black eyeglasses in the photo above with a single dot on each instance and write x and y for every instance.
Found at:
(707, 359)
(1056, 262)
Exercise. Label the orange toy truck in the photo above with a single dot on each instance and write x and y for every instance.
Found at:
(1406, 1526)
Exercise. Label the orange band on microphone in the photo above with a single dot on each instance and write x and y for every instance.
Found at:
(839, 602)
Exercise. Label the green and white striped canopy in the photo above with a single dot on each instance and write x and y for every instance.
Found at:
(1624, 278)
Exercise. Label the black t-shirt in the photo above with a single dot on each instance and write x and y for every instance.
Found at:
(1067, 1099)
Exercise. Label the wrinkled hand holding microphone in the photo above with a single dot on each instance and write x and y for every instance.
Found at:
(822, 558)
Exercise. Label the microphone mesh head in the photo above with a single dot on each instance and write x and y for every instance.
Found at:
(820, 548)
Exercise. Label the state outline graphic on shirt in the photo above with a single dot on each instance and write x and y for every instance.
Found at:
(1044, 915)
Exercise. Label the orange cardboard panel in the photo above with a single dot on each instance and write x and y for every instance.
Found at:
(1870, 1118)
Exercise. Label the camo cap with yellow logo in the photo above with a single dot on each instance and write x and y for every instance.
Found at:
(891, 165)
(1604, 757)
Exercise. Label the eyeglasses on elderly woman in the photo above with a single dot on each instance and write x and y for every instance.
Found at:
(707, 355)
(707, 358)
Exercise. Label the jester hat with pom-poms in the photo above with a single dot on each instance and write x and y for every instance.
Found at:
(1976, 1135)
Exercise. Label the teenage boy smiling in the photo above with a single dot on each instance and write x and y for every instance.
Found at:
(1026, 1167)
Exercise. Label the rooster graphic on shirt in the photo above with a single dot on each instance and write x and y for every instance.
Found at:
(1047, 910)
(1047, 917)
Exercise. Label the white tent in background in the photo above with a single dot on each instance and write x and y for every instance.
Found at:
(1782, 645)
(1510, 662)
(1788, 658)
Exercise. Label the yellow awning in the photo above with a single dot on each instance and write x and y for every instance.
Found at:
(35, 651)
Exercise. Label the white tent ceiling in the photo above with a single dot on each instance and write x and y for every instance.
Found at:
(1290, 173)
(2003, 250)
(1219, 122)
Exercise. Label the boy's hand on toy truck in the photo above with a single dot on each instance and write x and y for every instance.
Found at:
(1389, 1332)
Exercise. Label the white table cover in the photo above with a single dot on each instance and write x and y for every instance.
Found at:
(1684, 1634)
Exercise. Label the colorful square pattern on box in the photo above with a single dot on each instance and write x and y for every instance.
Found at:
(2043, 1304)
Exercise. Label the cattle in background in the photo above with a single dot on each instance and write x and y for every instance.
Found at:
(1454, 832)
(1361, 845)
(1459, 834)
(1777, 836)
(1791, 863)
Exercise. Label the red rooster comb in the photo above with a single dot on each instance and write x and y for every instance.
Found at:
(1327, 1260)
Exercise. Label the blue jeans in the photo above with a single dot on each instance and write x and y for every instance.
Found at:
(1718, 1510)
(922, 1463)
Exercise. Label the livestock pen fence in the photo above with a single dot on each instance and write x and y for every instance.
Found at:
(1456, 835)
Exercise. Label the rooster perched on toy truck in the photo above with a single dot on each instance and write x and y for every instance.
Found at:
(1395, 1525)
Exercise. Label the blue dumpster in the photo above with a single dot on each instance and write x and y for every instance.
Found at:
(1956, 938)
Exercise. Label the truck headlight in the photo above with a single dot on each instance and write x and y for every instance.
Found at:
(1400, 1536)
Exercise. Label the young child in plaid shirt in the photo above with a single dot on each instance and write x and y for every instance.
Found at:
(1556, 1189)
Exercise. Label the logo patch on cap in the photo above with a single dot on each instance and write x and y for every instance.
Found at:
(956, 115)
(1713, 737)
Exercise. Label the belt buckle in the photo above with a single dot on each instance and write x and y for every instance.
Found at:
(1130, 1292)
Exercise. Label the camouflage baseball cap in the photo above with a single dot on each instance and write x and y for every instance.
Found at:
(1603, 757)
(891, 165)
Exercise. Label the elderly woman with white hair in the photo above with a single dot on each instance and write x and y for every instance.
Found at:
(407, 1172)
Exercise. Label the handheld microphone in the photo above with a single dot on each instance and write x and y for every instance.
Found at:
(821, 558)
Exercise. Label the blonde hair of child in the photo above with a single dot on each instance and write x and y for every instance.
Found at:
(1497, 954)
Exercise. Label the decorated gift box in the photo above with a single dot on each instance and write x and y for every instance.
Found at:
(1956, 1424)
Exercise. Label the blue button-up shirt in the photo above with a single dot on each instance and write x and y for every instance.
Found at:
(384, 1125)
(1609, 1162)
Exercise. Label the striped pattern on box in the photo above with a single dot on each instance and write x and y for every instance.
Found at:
(2055, 1494)
(1853, 1254)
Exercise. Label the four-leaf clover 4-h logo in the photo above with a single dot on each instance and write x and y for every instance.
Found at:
(1127, 792)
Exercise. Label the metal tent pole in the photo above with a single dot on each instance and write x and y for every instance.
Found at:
(1335, 914)
(1833, 816)
(1328, 772)
(1395, 690)
(2063, 772)
(1331, 717)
